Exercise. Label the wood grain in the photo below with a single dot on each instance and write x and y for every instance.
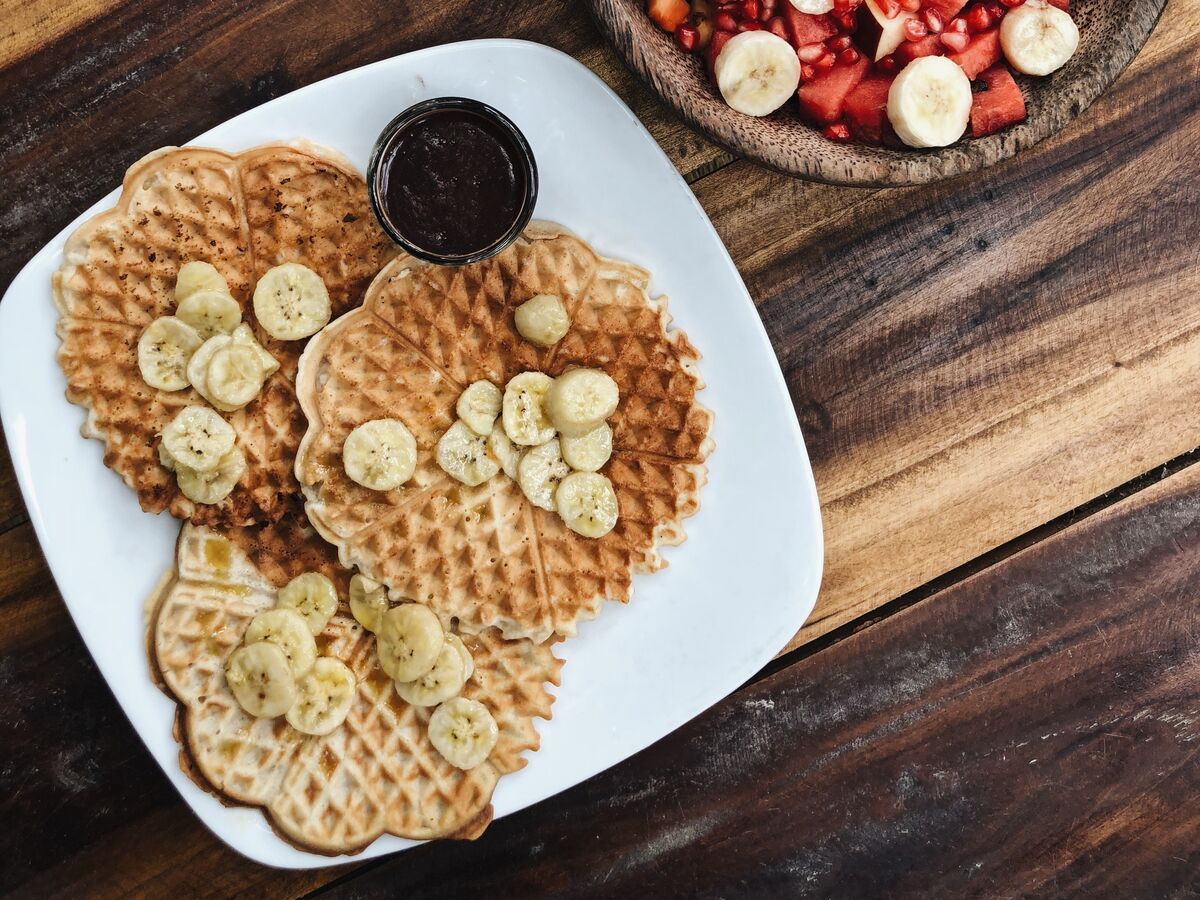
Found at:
(1111, 32)
(27, 25)
(1029, 732)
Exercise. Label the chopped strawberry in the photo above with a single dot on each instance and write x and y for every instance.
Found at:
(822, 98)
(910, 50)
(719, 39)
(982, 53)
(865, 108)
(947, 9)
(999, 106)
(669, 14)
(806, 28)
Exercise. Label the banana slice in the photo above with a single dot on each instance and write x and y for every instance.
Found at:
(291, 302)
(505, 451)
(210, 312)
(380, 454)
(163, 353)
(588, 452)
(286, 629)
(580, 399)
(813, 7)
(1038, 38)
(234, 377)
(467, 658)
(463, 731)
(542, 320)
(313, 596)
(479, 405)
(408, 641)
(524, 416)
(165, 457)
(197, 367)
(197, 438)
(210, 487)
(540, 471)
(463, 454)
(368, 601)
(198, 276)
(587, 504)
(260, 679)
(757, 72)
(929, 103)
(243, 335)
(323, 697)
(442, 682)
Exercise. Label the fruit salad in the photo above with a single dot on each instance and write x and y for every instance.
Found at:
(900, 73)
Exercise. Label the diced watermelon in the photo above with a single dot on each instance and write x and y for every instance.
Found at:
(926, 46)
(982, 53)
(719, 39)
(822, 98)
(806, 28)
(948, 8)
(865, 108)
(999, 106)
(669, 14)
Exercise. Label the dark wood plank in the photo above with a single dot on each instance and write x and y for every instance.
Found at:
(972, 359)
(12, 508)
(1030, 731)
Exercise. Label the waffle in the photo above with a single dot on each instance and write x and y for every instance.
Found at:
(244, 214)
(484, 556)
(377, 772)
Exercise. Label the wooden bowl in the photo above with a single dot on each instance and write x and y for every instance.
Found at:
(1111, 33)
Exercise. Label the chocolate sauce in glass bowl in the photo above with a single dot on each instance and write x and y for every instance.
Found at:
(452, 180)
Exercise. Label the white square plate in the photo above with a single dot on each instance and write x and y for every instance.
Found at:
(734, 593)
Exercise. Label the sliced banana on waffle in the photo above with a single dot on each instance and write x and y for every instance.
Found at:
(291, 302)
(234, 377)
(463, 454)
(757, 72)
(163, 351)
(368, 601)
(441, 682)
(243, 335)
(1038, 38)
(539, 473)
(581, 399)
(210, 487)
(210, 312)
(467, 658)
(313, 597)
(506, 452)
(408, 641)
(380, 455)
(198, 438)
(261, 680)
(929, 103)
(524, 414)
(463, 731)
(198, 276)
(287, 630)
(587, 503)
(323, 697)
(479, 405)
(588, 452)
(542, 320)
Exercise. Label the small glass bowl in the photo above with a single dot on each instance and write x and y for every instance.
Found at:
(407, 118)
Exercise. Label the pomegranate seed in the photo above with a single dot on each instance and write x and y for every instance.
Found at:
(1011, 3)
(890, 8)
(886, 64)
(751, 9)
(933, 19)
(825, 62)
(839, 43)
(725, 22)
(687, 36)
(750, 26)
(995, 9)
(734, 7)
(807, 72)
(837, 132)
(768, 10)
(849, 56)
(959, 25)
(810, 53)
(914, 29)
(955, 41)
(911, 5)
(842, 5)
(846, 20)
(777, 27)
(978, 19)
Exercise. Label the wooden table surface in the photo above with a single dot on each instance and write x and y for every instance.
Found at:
(998, 380)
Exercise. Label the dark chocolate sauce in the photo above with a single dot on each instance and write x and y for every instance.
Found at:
(452, 182)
